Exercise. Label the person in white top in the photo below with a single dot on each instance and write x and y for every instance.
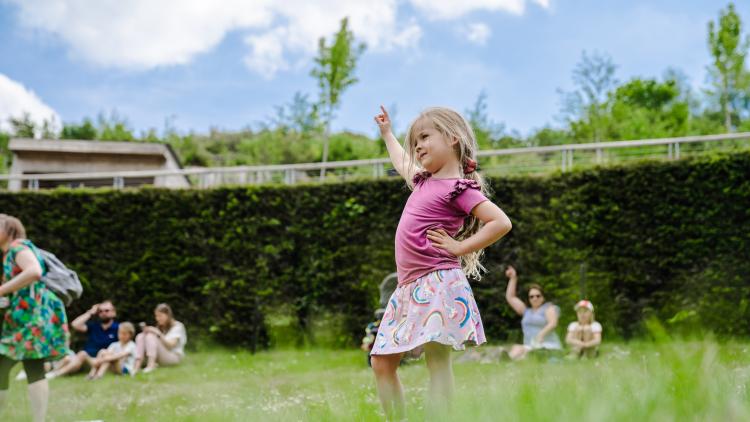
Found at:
(585, 335)
(161, 345)
(118, 356)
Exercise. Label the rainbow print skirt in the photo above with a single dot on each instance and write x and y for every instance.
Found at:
(437, 307)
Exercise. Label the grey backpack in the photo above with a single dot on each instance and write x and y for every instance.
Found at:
(60, 279)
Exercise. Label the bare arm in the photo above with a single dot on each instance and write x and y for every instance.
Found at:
(551, 315)
(571, 340)
(79, 324)
(169, 343)
(112, 357)
(496, 225)
(597, 340)
(396, 152)
(510, 292)
(31, 271)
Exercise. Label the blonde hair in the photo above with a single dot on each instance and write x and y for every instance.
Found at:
(590, 313)
(452, 125)
(12, 227)
(128, 328)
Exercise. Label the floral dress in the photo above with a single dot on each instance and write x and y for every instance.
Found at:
(35, 325)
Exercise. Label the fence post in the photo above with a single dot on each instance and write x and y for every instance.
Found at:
(118, 182)
(34, 184)
(564, 159)
(598, 156)
(677, 150)
(570, 160)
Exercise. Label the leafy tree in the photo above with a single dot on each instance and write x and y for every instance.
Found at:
(86, 130)
(585, 107)
(728, 74)
(334, 70)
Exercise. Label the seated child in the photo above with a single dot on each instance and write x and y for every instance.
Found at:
(119, 356)
(585, 335)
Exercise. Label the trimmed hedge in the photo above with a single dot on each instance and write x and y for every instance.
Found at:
(669, 240)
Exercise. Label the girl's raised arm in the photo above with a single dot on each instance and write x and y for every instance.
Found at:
(399, 158)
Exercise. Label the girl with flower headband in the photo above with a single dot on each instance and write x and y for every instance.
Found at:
(445, 225)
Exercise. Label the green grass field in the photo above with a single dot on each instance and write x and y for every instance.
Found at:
(673, 381)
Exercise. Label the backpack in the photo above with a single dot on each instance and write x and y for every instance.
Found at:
(60, 279)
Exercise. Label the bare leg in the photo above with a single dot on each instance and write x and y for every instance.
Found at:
(390, 391)
(140, 352)
(517, 352)
(116, 367)
(102, 369)
(39, 396)
(73, 364)
(438, 357)
(152, 350)
(95, 365)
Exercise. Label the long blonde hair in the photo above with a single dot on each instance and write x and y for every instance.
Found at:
(452, 125)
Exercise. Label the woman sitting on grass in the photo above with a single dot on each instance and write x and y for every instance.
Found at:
(539, 319)
(119, 356)
(163, 344)
(585, 335)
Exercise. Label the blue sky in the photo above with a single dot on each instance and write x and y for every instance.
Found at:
(227, 63)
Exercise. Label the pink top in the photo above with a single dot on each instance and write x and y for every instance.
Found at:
(434, 203)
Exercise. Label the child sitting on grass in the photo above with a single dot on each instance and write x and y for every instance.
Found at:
(119, 356)
(585, 335)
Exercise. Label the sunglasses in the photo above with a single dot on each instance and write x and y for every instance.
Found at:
(534, 296)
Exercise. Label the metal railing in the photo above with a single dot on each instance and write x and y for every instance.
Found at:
(529, 160)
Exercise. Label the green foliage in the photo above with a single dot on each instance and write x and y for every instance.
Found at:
(647, 108)
(334, 67)
(5, 155)
(728, 73)
(664, 240)
(85, 130)
(114, 128)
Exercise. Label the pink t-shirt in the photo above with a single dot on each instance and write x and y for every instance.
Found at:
(434, 203)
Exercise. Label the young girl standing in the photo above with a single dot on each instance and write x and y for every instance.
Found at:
(445, 225)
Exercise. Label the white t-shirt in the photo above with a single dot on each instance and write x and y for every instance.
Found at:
(177, 331)
(129, 361)
(595, 327)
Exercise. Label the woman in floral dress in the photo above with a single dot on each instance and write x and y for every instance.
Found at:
(35, 328)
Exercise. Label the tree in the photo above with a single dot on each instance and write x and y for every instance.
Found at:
(728, 75)
(114, 128)
(23, 127)
(487, 132)
(585, 108)
(334, 70)
(84, 131)
(300, 115)
(647, 108)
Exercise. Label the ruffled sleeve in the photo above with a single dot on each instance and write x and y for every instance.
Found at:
(420, 177)
(466, 194)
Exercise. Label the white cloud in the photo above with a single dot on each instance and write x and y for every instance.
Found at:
(304, 22)
(16, 100)
(453, 9)
(143, 34)
(478, 32)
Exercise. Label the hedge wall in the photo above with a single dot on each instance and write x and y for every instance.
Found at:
(670, 240)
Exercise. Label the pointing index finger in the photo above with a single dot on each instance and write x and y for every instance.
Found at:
(384, 111)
